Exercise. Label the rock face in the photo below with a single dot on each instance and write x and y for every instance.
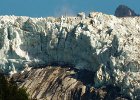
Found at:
(106, 45)
(56, 83)
(124, 11)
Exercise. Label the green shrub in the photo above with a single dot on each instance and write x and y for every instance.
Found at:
(10, 91)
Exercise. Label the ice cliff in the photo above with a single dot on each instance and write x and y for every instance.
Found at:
(104, 44)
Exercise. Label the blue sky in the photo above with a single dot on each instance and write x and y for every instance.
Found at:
(43, 8)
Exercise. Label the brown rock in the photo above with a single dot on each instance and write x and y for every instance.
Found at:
(51, 83)
(56, 83)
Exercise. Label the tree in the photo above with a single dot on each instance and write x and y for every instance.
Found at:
(10, 91)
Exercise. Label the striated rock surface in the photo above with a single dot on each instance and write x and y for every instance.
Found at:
(106, 45)
(56, 83)
(124, 11)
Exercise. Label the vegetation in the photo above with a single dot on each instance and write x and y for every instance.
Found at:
(10, 91)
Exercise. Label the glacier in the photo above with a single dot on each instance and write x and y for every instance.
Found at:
(104, 44)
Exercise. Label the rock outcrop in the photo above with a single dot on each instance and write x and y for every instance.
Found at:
(104, 44)
(124, 11)
(56, 83)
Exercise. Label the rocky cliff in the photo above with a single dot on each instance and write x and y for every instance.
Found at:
(124, 11)
(63, 83)
(103, 44)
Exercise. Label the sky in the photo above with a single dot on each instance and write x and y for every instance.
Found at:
(44, 8)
